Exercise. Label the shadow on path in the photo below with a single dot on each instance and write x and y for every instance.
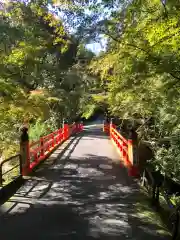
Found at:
(81, 196)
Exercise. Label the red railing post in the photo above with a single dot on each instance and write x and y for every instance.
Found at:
(48, 144)
(110, 131)
(110, 128)
(70, 130)
(59, 135)
(24, 151)
(133, 157)
(52, 140)
(55, 138)
(65, 130)
(36, 157)
(76, 127)
(106, 127)
(81, 126)
(42, 146)
(124, 153)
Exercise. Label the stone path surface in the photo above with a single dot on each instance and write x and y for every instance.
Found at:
(83, 193)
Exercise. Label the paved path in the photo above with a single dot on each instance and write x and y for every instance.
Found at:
(84, 194)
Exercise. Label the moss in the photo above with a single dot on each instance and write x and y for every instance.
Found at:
(148, 215)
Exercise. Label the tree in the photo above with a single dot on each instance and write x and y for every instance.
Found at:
(39, 80)
(140, 69)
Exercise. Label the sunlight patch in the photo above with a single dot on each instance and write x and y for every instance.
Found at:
(90, 172)
(105, 166)
(71, 166)
(120, 187)
(110, 226)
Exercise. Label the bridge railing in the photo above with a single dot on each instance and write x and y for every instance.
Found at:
(31, 154)
(39, 150)
(10, 169)
(126, 147)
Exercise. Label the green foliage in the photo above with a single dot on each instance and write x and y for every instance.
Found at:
(136, 77)
(140, 73)
(38, 130)
(39, 79)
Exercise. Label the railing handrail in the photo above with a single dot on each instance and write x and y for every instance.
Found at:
(48, 136)
(123, 138)
(47, 143)
(13, 167)
(40, 149)
(126, 148)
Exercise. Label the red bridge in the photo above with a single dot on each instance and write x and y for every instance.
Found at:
(75, 184)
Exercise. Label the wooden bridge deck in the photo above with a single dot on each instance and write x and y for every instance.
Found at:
(82, 192)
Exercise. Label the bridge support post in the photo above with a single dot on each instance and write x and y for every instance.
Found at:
(110, 126)
(133, 154)
(106, 125)
(81, 126)
(77, 127)
(24, 151)
(65, 130)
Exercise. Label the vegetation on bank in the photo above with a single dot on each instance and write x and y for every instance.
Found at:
(41, 80)
(47, 73)
(140, 74)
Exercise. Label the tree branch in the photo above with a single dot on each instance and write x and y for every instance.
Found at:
(164, 39)
(163, 2)
(174, 77)
(137, 47)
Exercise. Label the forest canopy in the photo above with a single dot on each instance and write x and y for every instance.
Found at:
(43, 78)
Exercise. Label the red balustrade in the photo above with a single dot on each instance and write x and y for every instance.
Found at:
(122, 145)
(106, 128)
(126, 149)
(39, 150)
